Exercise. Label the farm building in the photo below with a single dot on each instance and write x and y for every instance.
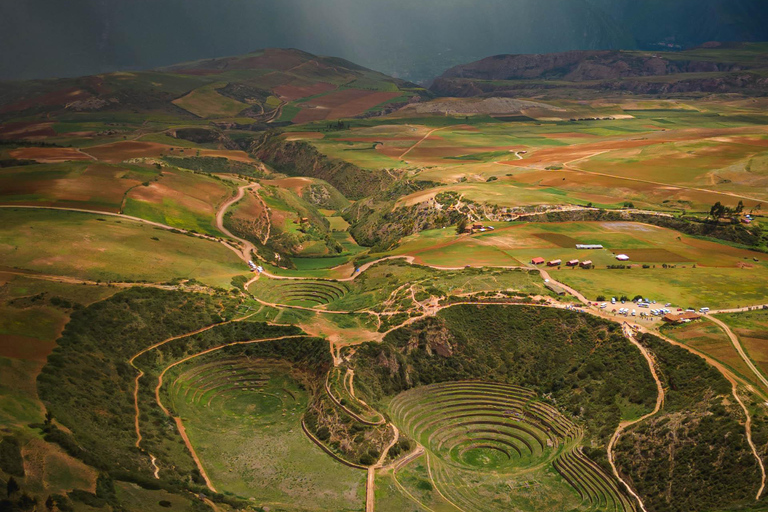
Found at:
(586, 264)
(588, 246)
(622, 257)
(554, 263)
(556, 289)
(572, 263)
(681, 318)
(537, 261)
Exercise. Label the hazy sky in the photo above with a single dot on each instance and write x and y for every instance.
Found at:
(414, 39)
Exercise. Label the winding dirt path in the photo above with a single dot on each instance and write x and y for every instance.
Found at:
(737, 345)
(624, 424)
(140, 374)
(734, 380)
(248, 247)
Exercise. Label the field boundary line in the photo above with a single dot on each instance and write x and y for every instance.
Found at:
(430, 132)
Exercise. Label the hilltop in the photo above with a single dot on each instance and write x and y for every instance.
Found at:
(712, 68)
(271, 85)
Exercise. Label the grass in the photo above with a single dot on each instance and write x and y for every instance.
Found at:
(180, 199)
(243, 417)
(751, 327)
(710, 339)
(206, 102)
(84, 185)
(485, 439)
(683, 287)
(82, 246)
(705, 273)
(29, 326)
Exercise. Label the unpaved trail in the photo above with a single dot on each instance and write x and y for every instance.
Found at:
(430, 132)
(198, 463)
(730, 377)
(624, 424)
(415, 454)
(737, 345)
(748, 423)
(248, 247)
(140, 374)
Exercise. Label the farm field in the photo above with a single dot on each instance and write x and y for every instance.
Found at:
(244, 419)
(681, 269)
(347, 327)
(89, 186)
(180, 199)
(710, 339)
(751, 327)
(207, 102)
(33, 313)
(83, 245)
(686, 157)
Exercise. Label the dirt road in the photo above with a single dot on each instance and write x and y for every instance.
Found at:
(737, 345)
(247, 247)
(624, 424)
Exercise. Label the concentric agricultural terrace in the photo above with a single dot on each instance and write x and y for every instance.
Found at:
(304, 293)
(475, 431)
(222, 385)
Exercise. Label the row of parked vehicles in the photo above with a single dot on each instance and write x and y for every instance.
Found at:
(647, 304)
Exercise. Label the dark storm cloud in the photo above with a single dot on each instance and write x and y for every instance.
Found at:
(415, 39)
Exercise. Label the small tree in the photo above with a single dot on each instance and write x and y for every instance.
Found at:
(461, 226)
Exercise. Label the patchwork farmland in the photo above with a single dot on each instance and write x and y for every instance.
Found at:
(282, 281)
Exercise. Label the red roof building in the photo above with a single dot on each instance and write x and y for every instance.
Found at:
(537, 261)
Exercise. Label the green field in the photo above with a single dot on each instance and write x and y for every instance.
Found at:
(666, 265)
(244, 418)
(751, 327)
(180, 199)
(207, 102)
(86, 246)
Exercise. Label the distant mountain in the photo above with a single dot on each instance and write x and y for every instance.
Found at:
(266, 86)
(714, 67)
(412, 39)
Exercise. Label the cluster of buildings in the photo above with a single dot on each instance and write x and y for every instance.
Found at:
(557, 263)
